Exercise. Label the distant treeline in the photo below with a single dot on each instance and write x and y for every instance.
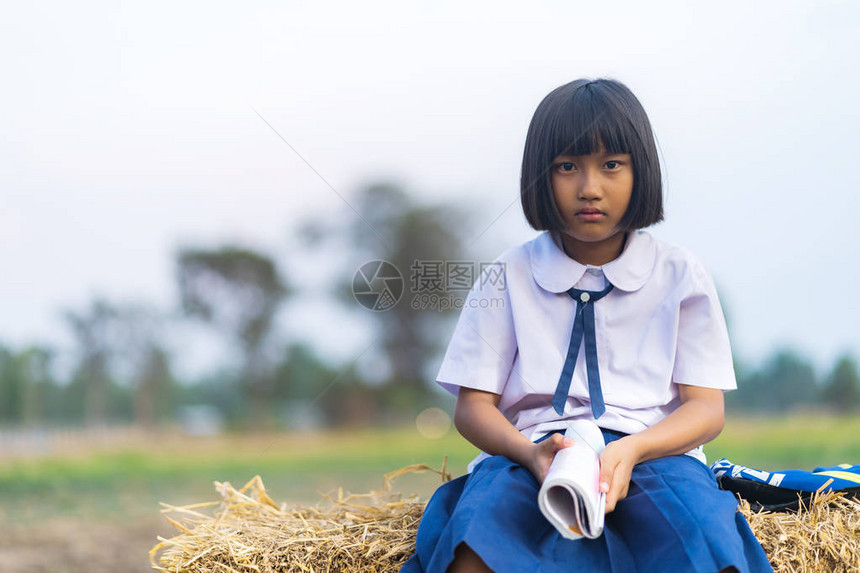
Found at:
(121, 367)
(302, 391)
(305, 392)
(787, 381)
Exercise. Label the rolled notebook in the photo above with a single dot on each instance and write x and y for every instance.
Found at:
(570, 496)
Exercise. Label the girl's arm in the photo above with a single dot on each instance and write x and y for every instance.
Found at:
(697, 420)
(478, 419)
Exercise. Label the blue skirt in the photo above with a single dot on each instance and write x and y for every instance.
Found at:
(674, 518)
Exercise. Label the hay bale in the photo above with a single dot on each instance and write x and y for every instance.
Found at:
(823, 535)
(249, 532)
(375, 533)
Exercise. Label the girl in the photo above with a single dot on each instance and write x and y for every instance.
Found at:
(598, 319)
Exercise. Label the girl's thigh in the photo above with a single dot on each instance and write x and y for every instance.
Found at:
(676, 518)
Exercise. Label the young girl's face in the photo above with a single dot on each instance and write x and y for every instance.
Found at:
(592, 193)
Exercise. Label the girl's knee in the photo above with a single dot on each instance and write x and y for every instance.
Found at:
(467, 561)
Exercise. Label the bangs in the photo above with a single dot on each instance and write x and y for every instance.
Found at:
(588, 123)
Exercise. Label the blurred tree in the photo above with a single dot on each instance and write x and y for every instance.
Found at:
(785, 382)
(153, 388)
(238, 291)
(302, 375)
(842, 387)
(123, 370)
(739, 399)
(221, 390)
(94, 331)
(36, 367)
(11, 387)
(312, 393)
(307, 389)
(394, 228)
(142, 363)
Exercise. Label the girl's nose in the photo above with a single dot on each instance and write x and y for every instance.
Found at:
(589, 188)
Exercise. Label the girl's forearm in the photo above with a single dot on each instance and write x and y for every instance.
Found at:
(699, 419)
(479, 420)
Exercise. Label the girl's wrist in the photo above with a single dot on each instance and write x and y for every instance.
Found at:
(636, 447)
(519, 449)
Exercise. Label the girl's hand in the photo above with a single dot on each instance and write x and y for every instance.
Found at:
(540, 456)
(616, 466)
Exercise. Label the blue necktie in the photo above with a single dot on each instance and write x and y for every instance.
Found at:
(583, 324)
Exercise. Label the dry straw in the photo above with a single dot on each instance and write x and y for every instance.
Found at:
(822, 536)
(249, 532)
(375, 533)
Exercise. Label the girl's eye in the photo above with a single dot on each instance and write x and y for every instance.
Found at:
(613, 164)
(566, 166)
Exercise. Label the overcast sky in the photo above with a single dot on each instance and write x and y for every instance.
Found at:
(130, 128)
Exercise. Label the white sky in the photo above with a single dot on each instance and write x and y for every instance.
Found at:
(129, 129)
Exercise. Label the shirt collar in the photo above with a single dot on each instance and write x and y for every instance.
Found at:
(554, 271)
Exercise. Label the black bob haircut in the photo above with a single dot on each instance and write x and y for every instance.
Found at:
(580, 118)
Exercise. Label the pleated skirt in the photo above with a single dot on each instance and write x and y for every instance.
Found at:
(674, 518)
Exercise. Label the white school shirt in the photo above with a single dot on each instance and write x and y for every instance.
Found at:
(661, 325)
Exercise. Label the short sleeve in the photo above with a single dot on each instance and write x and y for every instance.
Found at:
(483, 347)
(703, 355)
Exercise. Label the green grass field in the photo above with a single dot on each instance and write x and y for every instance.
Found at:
(131, 479)
(798, 441)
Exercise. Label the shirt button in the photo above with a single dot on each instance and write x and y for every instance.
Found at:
(585, 297)
(594, 271)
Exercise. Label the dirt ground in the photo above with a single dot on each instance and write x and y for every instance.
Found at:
(67, 545)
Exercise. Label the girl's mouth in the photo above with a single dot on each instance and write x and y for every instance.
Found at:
(589, 215)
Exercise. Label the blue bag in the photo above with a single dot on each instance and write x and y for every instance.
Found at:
(785, 490)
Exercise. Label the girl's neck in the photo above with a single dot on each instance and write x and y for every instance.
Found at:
(597, 253)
